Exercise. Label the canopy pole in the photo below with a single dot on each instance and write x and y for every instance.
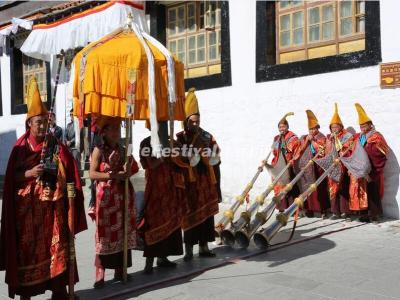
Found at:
(126, 200)
(129, 115)
(171, 107)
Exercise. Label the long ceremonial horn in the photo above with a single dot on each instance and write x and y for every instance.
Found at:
(230, 213)
(228, 235)
(243, 235)
(263, 238)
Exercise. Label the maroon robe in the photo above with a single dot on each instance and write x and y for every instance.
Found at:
(203, 192)
(339, 191)
(318, 201)
(30, 224)
(109, 211)
(165, 205)
(377, 150)
(288, 146)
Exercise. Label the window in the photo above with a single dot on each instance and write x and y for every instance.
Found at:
(307, 29)
(34, 67)
(321, 25)
(22, 68)
(352, 20)
(288, 3)
(291, 29)
(194, 36)
(300, 38)
(204, 44)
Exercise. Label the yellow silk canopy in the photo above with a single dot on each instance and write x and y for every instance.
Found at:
(105, 81)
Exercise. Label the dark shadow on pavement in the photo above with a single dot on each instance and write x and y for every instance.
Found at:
(187, 271)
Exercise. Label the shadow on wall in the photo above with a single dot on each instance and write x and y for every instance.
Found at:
(7, 141)
(391, 172)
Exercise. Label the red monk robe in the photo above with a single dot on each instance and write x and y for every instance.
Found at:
(202, 190)
(358, 198)
(202, 180)
(339, 191)
(34, 222)
(377, 150)
(368, 193)
(165, 204)
(109, 209)
(288, 145)
(318, 201)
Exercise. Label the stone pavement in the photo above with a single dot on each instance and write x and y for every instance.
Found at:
(325, 260)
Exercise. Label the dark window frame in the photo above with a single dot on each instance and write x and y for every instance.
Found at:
(268, 70)
(16, 84)
(158, 26)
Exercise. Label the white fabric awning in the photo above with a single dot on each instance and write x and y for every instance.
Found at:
(82, 28)
(13, 28)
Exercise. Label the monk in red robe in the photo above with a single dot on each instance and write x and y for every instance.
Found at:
(337, 143)
(109, 170)
(366, 193)
(201, 182)
(286, 144)
(165, 207)
(311, 145)
(34, 248)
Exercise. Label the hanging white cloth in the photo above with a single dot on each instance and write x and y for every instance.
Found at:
(155, 140)
(13, 28)
(78, 32)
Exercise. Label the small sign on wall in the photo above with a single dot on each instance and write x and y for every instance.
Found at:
(390, 75)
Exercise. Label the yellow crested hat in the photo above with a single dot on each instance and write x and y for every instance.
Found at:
(362, 115)
(35, 104)
(336, 118)
(283, 120)
(312, 119)
(191, 104)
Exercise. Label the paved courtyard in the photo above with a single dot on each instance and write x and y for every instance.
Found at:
(325, 260)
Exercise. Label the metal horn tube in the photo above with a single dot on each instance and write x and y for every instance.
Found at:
(230, 213)
(245, 217)
(263, 238)
(243, 236)
(228, 235)
(278, 198)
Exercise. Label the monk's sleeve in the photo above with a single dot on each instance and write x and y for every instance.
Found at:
(7, 210)
(145, 153)
(348, 147)
(73, 176)
(301, 148)
(319, 146)
(217, 170)
(134, 167)
(377, 158)
(295, 147)
(8, 243)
